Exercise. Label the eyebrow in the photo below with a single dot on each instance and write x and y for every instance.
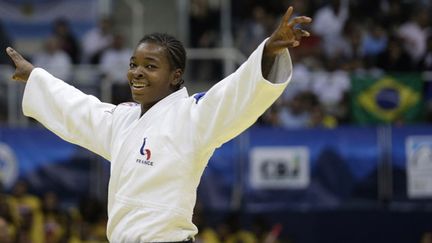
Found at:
(133, 58)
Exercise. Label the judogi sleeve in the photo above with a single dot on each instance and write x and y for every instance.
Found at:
(236, 102)
(74, 116)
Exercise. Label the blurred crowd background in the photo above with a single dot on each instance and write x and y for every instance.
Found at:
(367, 64)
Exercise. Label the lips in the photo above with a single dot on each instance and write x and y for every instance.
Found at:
(138, 85)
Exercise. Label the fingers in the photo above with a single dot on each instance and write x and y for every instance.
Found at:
(23, 67)
(296, 20)
(299, 20)
(287, 15)
(288, 34)
(286, 43)
(299, 33)
(14, 55)
(295, 40)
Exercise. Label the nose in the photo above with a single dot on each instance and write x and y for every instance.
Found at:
(137, 73)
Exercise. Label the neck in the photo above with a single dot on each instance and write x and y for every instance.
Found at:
(145, 108)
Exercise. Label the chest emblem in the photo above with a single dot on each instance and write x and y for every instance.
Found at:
(144, 151)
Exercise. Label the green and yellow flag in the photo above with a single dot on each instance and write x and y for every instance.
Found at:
(387, 98)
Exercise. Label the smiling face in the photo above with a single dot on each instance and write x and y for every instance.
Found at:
(151, 76)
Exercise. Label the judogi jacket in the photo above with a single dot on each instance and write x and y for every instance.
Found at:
(157, 159)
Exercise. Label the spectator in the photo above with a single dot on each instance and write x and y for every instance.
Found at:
(4, 42)
(204, 23)
(426, 238)
(414, 33)
(425, 63)
(392, 14)
(205, 233)
(320, 119)
(67, 40)
(54, 219)
(6, 235)
(94, 220)
(395, 58)
(260, 228)
(230, 231)
(331, 86)
(8, 218)
(30, 215)
(270, 117)
(301, 82)
(253, 31)
(329, 22)
(53, 59)
(114, 64)
(346, 52)
(97, 40)
(375, 40)
(294, 113)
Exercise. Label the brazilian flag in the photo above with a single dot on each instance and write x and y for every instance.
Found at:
(387, 98)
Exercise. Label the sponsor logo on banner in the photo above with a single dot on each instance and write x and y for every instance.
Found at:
(8, 166)
(419, 166)
(279, 168)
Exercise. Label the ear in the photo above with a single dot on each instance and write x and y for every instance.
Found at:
(177, 76)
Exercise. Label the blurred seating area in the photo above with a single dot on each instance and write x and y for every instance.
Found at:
(359, 101)
(25, 218)
(349, 39)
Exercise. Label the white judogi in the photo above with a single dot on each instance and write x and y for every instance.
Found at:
(156, 160)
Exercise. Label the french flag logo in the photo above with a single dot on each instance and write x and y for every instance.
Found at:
(144, 151)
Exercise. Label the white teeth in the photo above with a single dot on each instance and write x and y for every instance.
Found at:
(139, 85)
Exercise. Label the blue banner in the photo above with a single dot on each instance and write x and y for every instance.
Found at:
(264, 169)
(339, 166)
(219, 178)
(34, 18)
(44, 160)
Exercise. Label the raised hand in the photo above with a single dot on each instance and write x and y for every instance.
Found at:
(287, 34)
(23, 68)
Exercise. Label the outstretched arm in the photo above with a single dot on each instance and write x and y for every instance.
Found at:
(74, 116)
(286, 35)
(234, 104)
